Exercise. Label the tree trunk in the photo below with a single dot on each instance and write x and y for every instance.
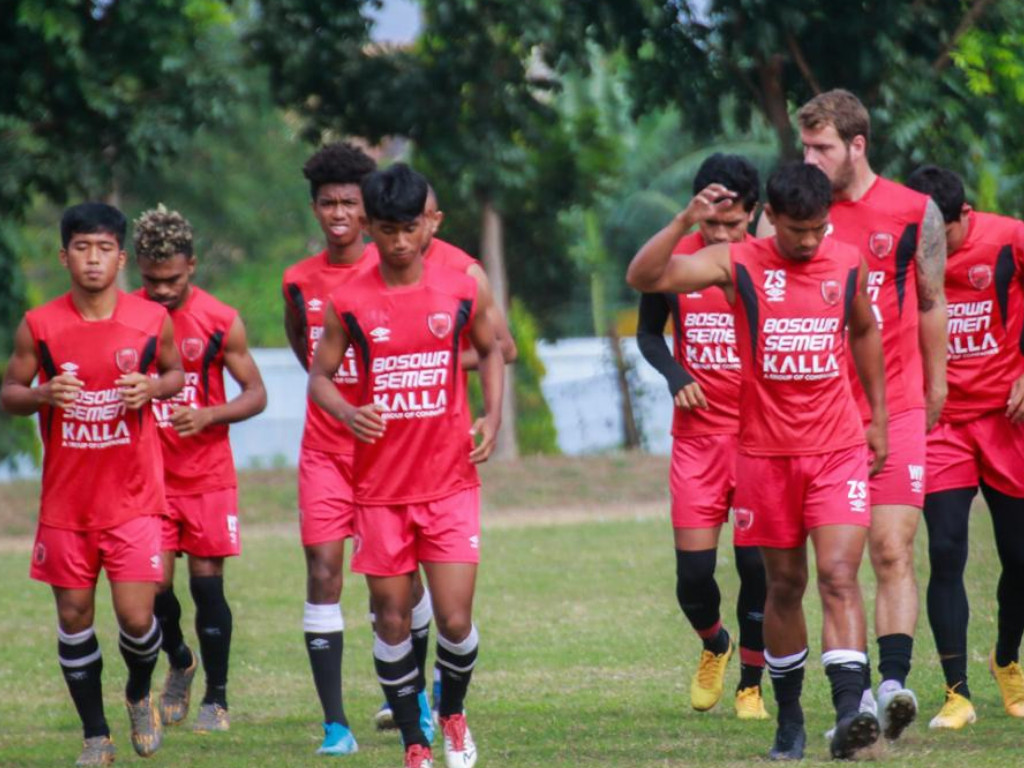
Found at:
(114, 198)
(630, 431)
(773, 101)
(492, 253)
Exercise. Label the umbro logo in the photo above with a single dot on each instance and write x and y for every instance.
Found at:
(407, 690)
(381, 334)
(71, 368)
(474, 542)
(154, 561)
(319, 644)
(314, 305)
(76, 675)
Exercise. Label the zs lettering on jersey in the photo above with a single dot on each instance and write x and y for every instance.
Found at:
(858, 495)
(775, 284)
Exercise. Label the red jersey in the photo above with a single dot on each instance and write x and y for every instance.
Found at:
(306, 286)
(704, 343)
(101, 462)
(407, 342)
(885, 226)
(203, 462)
(986, 317)
(791, 319)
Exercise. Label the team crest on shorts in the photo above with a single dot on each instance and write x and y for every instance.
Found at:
(192, 348)
(980, 276)
(880, 244)
(743, 518)
(127, 360)
(830, 292)
(440, 324)
(40, 554)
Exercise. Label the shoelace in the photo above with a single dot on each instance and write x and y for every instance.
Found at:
(94, 749)
(455, 731)
(415, 756)
(706, 670)
(177, 685)
(1015, 683)
(141, 716)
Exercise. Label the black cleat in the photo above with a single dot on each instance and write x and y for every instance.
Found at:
(854, 733)
(790, 739)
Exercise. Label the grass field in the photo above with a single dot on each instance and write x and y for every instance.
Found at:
(585, 658)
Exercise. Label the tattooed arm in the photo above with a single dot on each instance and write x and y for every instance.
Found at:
(931, 306)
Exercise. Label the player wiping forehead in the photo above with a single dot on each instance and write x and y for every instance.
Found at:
(802, 469)
(199, 471)
(417, 489)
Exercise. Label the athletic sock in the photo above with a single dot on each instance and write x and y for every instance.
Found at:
(715, 638)
(1008, 521)
(456, 661)
(894, 654)
(698, 594)
(845, 671)
(82, 665)
(213, 628)
(787, 674)
(751, 668)
(954, 668)
(167, 610)
(140, 654)
(750, 614)
(325, 641)
(422, 613)
(397, 673)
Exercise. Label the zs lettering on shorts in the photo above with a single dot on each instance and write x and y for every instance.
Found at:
(775, 284)
(858, 495)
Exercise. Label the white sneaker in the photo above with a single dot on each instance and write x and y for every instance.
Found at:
(897, 710)
(867, 704)
(459, 749)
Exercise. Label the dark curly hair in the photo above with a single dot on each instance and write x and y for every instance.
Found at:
(161, 234)
(338, 163)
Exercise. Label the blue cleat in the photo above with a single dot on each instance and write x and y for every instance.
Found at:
(338, 740)
(426, 716)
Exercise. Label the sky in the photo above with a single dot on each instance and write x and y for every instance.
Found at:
(398, 21)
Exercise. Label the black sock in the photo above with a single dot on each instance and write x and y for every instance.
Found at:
(787, 674)
(1008, 521)
(847, 680)
(167, 610)
(140, 654)
(894, 654)
(750, 614)
(82, 665)
(213, 628)
(325, 642)
(397, 673)
(422, 613)
(456, 661)
(697, 592)
(946, 515)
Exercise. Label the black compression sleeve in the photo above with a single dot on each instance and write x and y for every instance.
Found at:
(650, 337)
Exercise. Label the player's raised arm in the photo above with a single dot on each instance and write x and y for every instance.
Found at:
(249, 402)
(18, 396)
(930, 261)
(650, 338)
(492, 380)
(139, 388)
(295, 330)
(502, 334)
(866, 348)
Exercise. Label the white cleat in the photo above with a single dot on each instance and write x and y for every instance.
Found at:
(897, 709)
(459, 749)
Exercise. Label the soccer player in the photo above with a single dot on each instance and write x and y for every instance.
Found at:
(704, 381)
(900, 233)
(979, 440)
(93, 350)
(325, 460)
(199, 471)
(803, 465)
(417, 489)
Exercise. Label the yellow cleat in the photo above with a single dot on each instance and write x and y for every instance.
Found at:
(750, 704)
(1010, 680)
(709, 681)
(955, 713)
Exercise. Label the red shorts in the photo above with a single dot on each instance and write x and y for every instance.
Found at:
(72, 559)
(392, 540)
(901, 481)
(326, 508)
(780, 498)
(990, 448)
(203, 524)
(702, 479)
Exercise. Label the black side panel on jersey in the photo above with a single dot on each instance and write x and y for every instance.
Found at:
(461, 318)
(50, 367)
(748, 295)
(358, 338)
(905, 251)
(295, 293)
(849, 294)
(213, 347)
(148, 354)
(1004, 276)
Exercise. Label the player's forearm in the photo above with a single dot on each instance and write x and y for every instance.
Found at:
(933, 340)
(325, 394)
(168, 384)
(648, 267)
(296, 340)
(21, 400)
(651, 318)
(866, 348)
(250, 402)
(492, 382)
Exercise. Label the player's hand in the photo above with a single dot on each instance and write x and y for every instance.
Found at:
(877, 435)
(366, 423)
(1015, 405)
(188, 421)
(61, 391)
(934, 400)
(711, 200)
(487, 430)
(137, 389)
(691, 396)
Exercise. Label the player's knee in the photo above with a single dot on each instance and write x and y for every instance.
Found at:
(74, 617)
(787, 587)
(135, 623)
(323, 581)
(837, 581)
(694, 569)
(893, 560)
(455, 626)
(947, 556)
(750, 565)
(391, 625)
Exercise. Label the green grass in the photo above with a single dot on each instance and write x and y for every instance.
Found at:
(585, 661)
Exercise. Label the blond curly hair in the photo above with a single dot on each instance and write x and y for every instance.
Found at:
(161, 234)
